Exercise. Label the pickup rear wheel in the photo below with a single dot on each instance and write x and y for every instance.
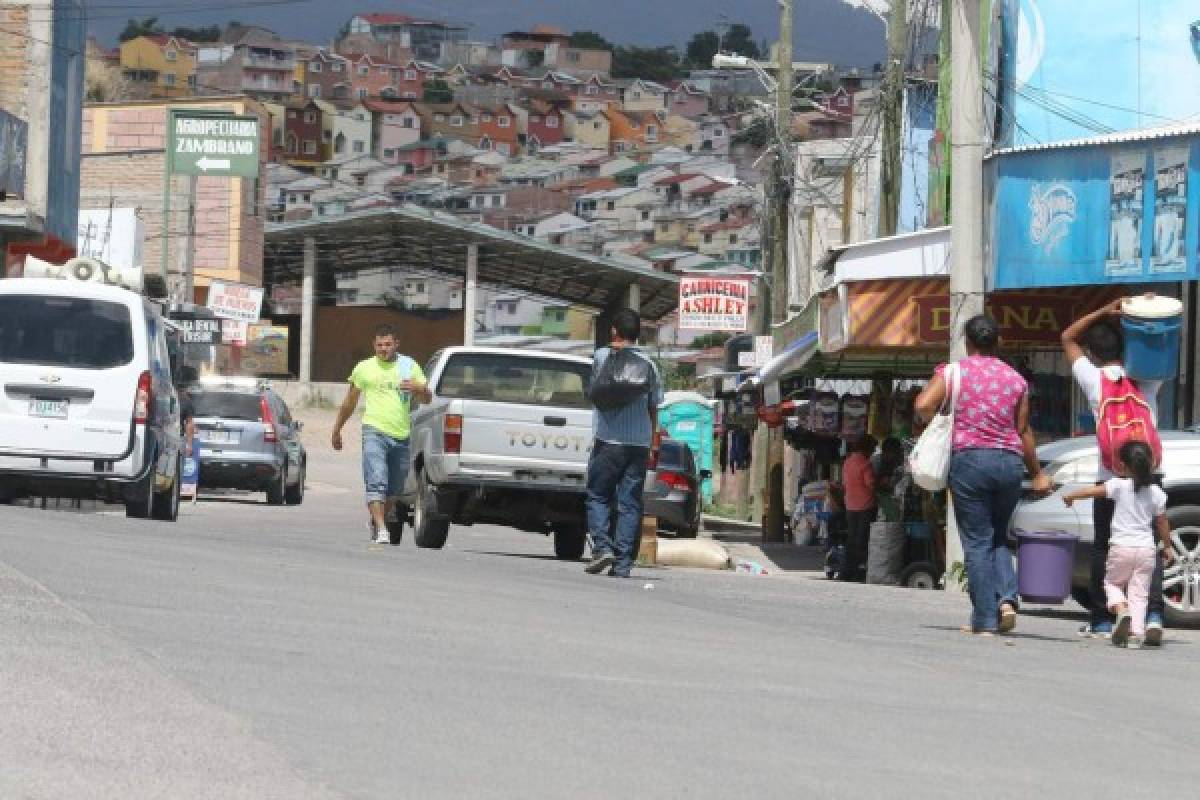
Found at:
(430, 528)
(570, 540)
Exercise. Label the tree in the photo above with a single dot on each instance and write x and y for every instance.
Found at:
(437, 91)
(652, 63)
(145, 27)
(702, 48)
(589, 40)
(715, 339)
(210, 34)
(740, 40)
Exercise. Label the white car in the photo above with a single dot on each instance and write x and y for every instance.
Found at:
(1072, 463)
(87, 407)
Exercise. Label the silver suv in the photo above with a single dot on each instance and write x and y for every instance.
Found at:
(248, 440)
(1072, 463)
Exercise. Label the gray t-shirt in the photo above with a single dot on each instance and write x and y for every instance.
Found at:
(1087, 375)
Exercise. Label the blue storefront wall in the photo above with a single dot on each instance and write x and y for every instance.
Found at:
(1096, 214)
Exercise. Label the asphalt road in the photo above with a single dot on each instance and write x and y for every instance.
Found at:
(259, 652)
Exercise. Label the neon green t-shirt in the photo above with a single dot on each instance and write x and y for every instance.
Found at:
(387, 407)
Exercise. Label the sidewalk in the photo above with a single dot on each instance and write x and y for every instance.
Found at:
(744, 541)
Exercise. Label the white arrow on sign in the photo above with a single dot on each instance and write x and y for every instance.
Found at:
(205, 163)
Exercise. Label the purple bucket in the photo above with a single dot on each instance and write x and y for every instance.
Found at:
(1045, 562)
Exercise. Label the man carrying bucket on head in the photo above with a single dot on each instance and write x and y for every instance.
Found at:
(1095, 347)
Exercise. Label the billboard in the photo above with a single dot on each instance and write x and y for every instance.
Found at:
(235, 300)
(1096, 215)
(714, 304)
(1131, 65)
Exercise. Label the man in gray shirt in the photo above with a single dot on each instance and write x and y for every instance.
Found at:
(617, 465)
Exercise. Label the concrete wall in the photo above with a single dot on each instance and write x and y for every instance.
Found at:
(344, 337)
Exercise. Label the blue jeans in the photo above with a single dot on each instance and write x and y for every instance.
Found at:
(615, 476)
(986, 485)
(385, 465)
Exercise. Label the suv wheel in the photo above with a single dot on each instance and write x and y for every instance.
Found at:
(570, 540)
(294, 495)
(277, 490)
(166, 507)
(430, 528)
(1181, 579)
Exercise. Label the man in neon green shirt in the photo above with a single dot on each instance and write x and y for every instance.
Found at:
(389, 381)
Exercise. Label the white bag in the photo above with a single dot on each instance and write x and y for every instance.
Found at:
(929, 463)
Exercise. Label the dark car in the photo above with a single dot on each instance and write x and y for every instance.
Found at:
(248, 440)
(672, 489)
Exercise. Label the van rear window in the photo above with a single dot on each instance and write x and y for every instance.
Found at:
(64, 332)
(515, 379)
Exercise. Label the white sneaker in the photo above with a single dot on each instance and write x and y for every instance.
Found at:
(379, 536)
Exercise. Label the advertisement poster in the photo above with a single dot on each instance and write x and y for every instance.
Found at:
(1170, 210)
(235, 301)
(1126, 185)
(714, 304)
(266, 350)
(1129, 66)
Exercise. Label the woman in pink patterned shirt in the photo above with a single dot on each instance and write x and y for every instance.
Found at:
(991, 437)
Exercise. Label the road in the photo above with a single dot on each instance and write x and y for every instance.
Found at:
(260, 652)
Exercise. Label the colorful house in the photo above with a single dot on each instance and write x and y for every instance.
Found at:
(161, 66)
(394, 124)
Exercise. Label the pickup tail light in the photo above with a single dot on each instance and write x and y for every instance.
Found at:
(143, 399)
(674, 480)
(268, 419)
(452, 433)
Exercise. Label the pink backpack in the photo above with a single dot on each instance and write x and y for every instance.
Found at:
(1124, 416)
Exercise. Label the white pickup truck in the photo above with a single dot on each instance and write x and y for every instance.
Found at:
(505, 440)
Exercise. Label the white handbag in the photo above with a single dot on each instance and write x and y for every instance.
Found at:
(929, 462)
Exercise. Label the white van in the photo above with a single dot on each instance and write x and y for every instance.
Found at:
(87, 408)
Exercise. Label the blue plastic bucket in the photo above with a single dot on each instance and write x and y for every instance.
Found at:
(1045, 561)
(1152, 347)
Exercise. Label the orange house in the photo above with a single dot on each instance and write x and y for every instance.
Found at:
(633, 130)
(499, 129)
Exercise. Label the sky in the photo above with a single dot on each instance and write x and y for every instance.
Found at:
(825, 30)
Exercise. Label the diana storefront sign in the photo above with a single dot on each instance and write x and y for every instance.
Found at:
(714, 304)
(1097, 213)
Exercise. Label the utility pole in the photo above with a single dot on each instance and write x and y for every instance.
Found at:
(893, 108)
(966, 167)
(781, 202)
(966, 199)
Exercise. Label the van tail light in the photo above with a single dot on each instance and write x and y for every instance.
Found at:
(673, 480)
(268, 419)
(452, 434)
(143, 399)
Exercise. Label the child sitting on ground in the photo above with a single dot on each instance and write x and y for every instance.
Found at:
(1140, 512)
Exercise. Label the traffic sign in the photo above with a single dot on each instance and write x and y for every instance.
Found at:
(220, 145)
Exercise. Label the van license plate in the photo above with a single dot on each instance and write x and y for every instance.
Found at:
(40, 407)
(219, 437)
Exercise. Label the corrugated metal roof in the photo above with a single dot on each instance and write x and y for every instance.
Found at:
(1120, 137)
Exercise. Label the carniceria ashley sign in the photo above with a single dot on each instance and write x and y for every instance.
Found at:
(220, 145)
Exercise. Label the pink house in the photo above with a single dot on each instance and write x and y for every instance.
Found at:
(394, 124)
(420, 155)
(687, 100)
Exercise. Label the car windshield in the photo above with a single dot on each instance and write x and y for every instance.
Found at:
(64, 332)
(515, 379)
(227, 405)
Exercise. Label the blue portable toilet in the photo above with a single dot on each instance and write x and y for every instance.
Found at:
(690, 417)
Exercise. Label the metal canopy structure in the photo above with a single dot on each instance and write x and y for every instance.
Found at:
(438, 243)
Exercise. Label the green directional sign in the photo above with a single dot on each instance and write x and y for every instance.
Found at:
(221, 145)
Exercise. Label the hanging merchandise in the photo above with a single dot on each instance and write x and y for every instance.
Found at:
(855, 408)
(825, 416)
(879, 423)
